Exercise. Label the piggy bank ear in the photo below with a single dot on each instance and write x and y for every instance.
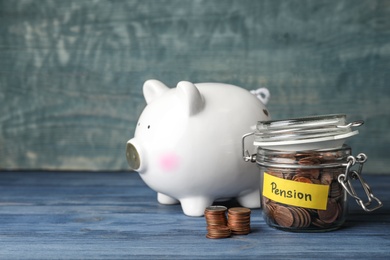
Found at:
(191, 97)
(153, 89)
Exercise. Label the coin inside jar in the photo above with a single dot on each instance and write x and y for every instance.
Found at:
(302, 179)
(283, 216)
(331, 213)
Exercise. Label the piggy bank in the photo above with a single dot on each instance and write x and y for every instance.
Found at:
(187, 144)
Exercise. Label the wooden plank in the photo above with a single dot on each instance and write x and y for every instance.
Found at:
(71, 72)
(90, 215)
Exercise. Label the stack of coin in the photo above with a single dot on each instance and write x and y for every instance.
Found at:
(216, 222)
(218, 232)
(239, 220)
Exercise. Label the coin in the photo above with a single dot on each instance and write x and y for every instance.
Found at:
(241, 211)
(309, 161)
(297, 217)
(326, 177)
(269, 209)
(302, 179)
(319, 223)
(215, 209)
(306, 217)
(331, 213)
(283, 216)
(335, 190)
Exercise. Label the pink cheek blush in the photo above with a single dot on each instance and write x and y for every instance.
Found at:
(169, 161)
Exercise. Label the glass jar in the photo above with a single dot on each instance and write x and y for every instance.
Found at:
(306, 172)
(300, 189)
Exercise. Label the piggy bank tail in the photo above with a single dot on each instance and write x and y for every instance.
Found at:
(262, 94)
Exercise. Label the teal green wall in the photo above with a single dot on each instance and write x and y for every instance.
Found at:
(71, 72)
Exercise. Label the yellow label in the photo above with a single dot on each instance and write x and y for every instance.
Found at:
(294, 193)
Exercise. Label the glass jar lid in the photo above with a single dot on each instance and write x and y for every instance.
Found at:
(305, 133)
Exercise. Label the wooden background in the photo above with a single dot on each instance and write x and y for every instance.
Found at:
(71, 72)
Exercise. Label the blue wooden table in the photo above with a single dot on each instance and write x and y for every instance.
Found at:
(101, 215)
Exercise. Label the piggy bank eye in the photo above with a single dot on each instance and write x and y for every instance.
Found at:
(265, 111)
(139, 123)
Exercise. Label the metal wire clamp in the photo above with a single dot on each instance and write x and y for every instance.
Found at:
(245, 153)
(344, 180)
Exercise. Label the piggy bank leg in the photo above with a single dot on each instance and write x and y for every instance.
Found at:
(165, 199)
(250, 200)
(195, 207)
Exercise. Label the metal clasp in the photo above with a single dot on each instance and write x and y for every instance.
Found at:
(344, 180)
(245, 153)
(352, 124)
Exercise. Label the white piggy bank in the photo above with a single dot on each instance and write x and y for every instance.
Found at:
(187, 144)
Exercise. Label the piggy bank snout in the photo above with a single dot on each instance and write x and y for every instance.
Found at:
(134, 156)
